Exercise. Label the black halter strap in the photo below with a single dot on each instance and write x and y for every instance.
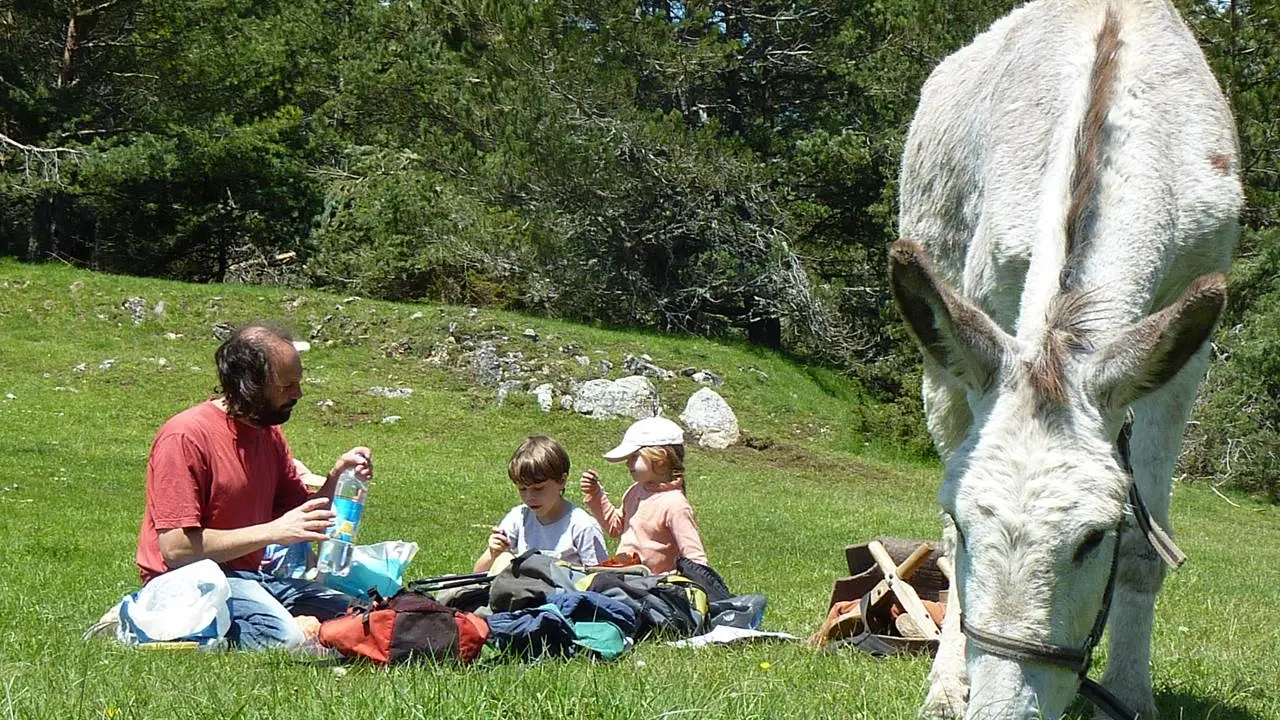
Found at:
(1079, 659)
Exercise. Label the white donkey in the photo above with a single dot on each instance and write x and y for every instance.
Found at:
(1069, 201)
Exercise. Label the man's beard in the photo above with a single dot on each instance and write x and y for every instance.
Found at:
(268, 416)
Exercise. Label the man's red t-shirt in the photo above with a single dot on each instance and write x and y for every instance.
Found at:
(207, 470)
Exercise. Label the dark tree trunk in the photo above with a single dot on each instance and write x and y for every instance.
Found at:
(765, 332)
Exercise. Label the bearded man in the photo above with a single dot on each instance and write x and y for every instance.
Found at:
(222, 485)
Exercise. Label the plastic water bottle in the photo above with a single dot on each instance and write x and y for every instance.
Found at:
(348, 507)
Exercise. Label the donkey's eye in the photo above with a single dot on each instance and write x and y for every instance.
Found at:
(1090, 544)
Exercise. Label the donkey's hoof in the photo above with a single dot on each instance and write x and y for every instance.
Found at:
(1145, 710)
(946, 701)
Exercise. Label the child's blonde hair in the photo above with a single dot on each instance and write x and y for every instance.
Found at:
(538, 459)
(667, 460)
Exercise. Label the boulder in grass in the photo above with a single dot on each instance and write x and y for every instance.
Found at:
(223, 330)
(486, 368)
(137, 307)
(643, 365)
(633, 396)
(545, 393)
(710, 421)
(706, 377)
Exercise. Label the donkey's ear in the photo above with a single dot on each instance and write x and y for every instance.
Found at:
(950, 330)
(1149, 353)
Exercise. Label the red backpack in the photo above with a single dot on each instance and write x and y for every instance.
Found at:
(408, 626)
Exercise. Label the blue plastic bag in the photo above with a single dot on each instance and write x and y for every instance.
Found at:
(287, 561)
(379, 566)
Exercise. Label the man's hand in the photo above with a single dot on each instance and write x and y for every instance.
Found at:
(361, 458)
(307, 522)
(498, 541)
(589, 483)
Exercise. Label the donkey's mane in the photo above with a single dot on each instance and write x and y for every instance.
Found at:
(1089, 151)
(1067, 326)
(1070, 330)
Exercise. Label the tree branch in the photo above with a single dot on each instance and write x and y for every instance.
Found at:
(33, 149)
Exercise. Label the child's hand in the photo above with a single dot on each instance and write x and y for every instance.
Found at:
(589, 484)
(498, 542)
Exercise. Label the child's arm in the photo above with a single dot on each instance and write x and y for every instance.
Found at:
(498, 544)
(684, 529)
(590, 546)
(593, 496)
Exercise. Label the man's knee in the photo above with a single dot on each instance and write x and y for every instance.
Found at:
(258, 620)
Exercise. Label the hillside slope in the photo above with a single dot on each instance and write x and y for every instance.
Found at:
(83, 389)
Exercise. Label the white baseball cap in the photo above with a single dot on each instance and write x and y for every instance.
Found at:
(645, 433)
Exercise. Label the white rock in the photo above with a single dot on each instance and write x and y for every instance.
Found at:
(391, 419)
(80, 368)
(393, 393)
(106, 364)
(416, 316)
(643, 365)
(326, 403)
(301, 345)
(137, 307)
(633, 396)
(710, 420)
(486, 368)
(546, 394)
(706, 377)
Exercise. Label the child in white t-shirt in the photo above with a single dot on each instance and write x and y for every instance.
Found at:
(544, 520)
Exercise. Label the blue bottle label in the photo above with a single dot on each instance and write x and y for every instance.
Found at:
(347, 519)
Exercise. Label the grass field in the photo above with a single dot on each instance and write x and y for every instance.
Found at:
(74, 436)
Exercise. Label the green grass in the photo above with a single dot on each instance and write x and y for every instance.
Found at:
(775, 519)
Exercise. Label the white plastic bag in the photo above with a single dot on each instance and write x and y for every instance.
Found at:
(189, 603)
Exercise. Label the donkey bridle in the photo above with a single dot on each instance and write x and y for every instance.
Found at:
(1078, 659)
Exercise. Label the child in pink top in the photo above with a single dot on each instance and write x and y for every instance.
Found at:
(656, 521)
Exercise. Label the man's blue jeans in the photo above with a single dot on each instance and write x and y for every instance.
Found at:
(263, 608)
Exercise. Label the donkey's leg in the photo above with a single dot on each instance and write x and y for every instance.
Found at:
(1158, 424)
(949, 678)
(1128, 673)
(948, 419)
